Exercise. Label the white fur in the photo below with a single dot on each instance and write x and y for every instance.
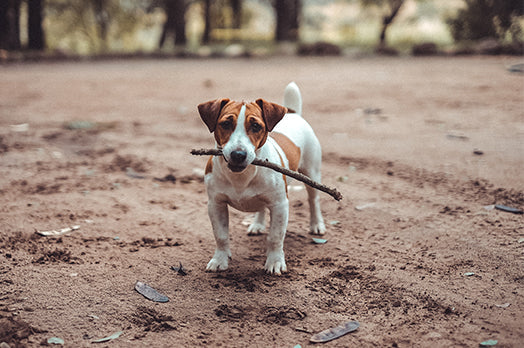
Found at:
(239, 140)
(257, 188)
(292, 98)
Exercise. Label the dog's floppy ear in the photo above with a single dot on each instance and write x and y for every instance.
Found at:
(271, 112)
(209, 111)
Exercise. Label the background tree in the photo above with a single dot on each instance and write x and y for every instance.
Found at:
(488, 19)
(102, 20)
(95, 26)
(287, 19)
(175, 22)
(236, 6)
(35, 31)
(393, 8)
(10, 24)
(206, 36)
(224, 14)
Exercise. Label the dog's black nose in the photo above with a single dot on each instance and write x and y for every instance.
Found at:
(238, 156)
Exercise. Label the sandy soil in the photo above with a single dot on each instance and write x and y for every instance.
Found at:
(418, 148)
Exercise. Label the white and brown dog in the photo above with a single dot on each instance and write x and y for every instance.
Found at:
(242, 131)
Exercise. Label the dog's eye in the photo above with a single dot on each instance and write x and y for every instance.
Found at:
(256, 127)
(226, 125)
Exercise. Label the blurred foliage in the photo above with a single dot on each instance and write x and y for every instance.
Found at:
(393, 7)
(128, 26)
(87, 26)
(480, 19)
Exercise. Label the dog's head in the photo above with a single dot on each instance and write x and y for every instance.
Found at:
(240, 128)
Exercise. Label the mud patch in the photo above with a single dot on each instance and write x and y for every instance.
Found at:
(359, 289)
(347, 273)
(238, 282)
(152, 243)
(40, 188)
(19, 240)
(227, 313)
(58, 255)
(281, 315)
(151, 320)
(37, 245)
(121, 163)
(3, 145)
(322, 262)
(13, 331)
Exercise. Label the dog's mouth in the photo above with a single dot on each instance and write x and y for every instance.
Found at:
(236, 168)
(236, 161)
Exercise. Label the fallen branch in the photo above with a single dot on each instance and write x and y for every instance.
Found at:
(265, 163)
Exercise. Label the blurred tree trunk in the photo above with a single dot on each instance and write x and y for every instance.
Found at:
(180, 22)
(175, 22)
(207, 22)
(236, 5)
(287, 13)
(102, 21)
(394, 6)
(10, 24)
(35, 31)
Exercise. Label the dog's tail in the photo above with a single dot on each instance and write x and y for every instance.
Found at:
(292, 98)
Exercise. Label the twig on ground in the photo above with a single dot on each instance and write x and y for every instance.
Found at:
(265, 163)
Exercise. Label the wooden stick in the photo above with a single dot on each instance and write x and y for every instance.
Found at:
(265, 163)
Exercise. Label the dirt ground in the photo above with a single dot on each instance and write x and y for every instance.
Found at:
(418, 147)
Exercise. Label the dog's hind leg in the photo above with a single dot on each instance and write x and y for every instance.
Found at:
(258, 225)
(316, 221)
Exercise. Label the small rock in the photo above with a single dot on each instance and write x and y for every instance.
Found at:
(478, 152)
(20, 128)
(55, 340)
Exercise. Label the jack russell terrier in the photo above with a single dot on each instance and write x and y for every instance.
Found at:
(260, 129)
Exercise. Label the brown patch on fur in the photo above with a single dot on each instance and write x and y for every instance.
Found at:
(271, 112)
(210, 111)
(209, 165)
(253, 119)
(221, 117)
(228, 118)
(283, 176)
(290, 149)
(227, 122)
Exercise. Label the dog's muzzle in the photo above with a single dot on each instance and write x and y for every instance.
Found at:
(237, 161)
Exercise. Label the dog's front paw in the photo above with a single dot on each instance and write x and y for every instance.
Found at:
(317, 228)
(219, 262)
(275, 263)
(255, 229)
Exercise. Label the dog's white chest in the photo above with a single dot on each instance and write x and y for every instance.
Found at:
(248, 203)
(249, 199)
